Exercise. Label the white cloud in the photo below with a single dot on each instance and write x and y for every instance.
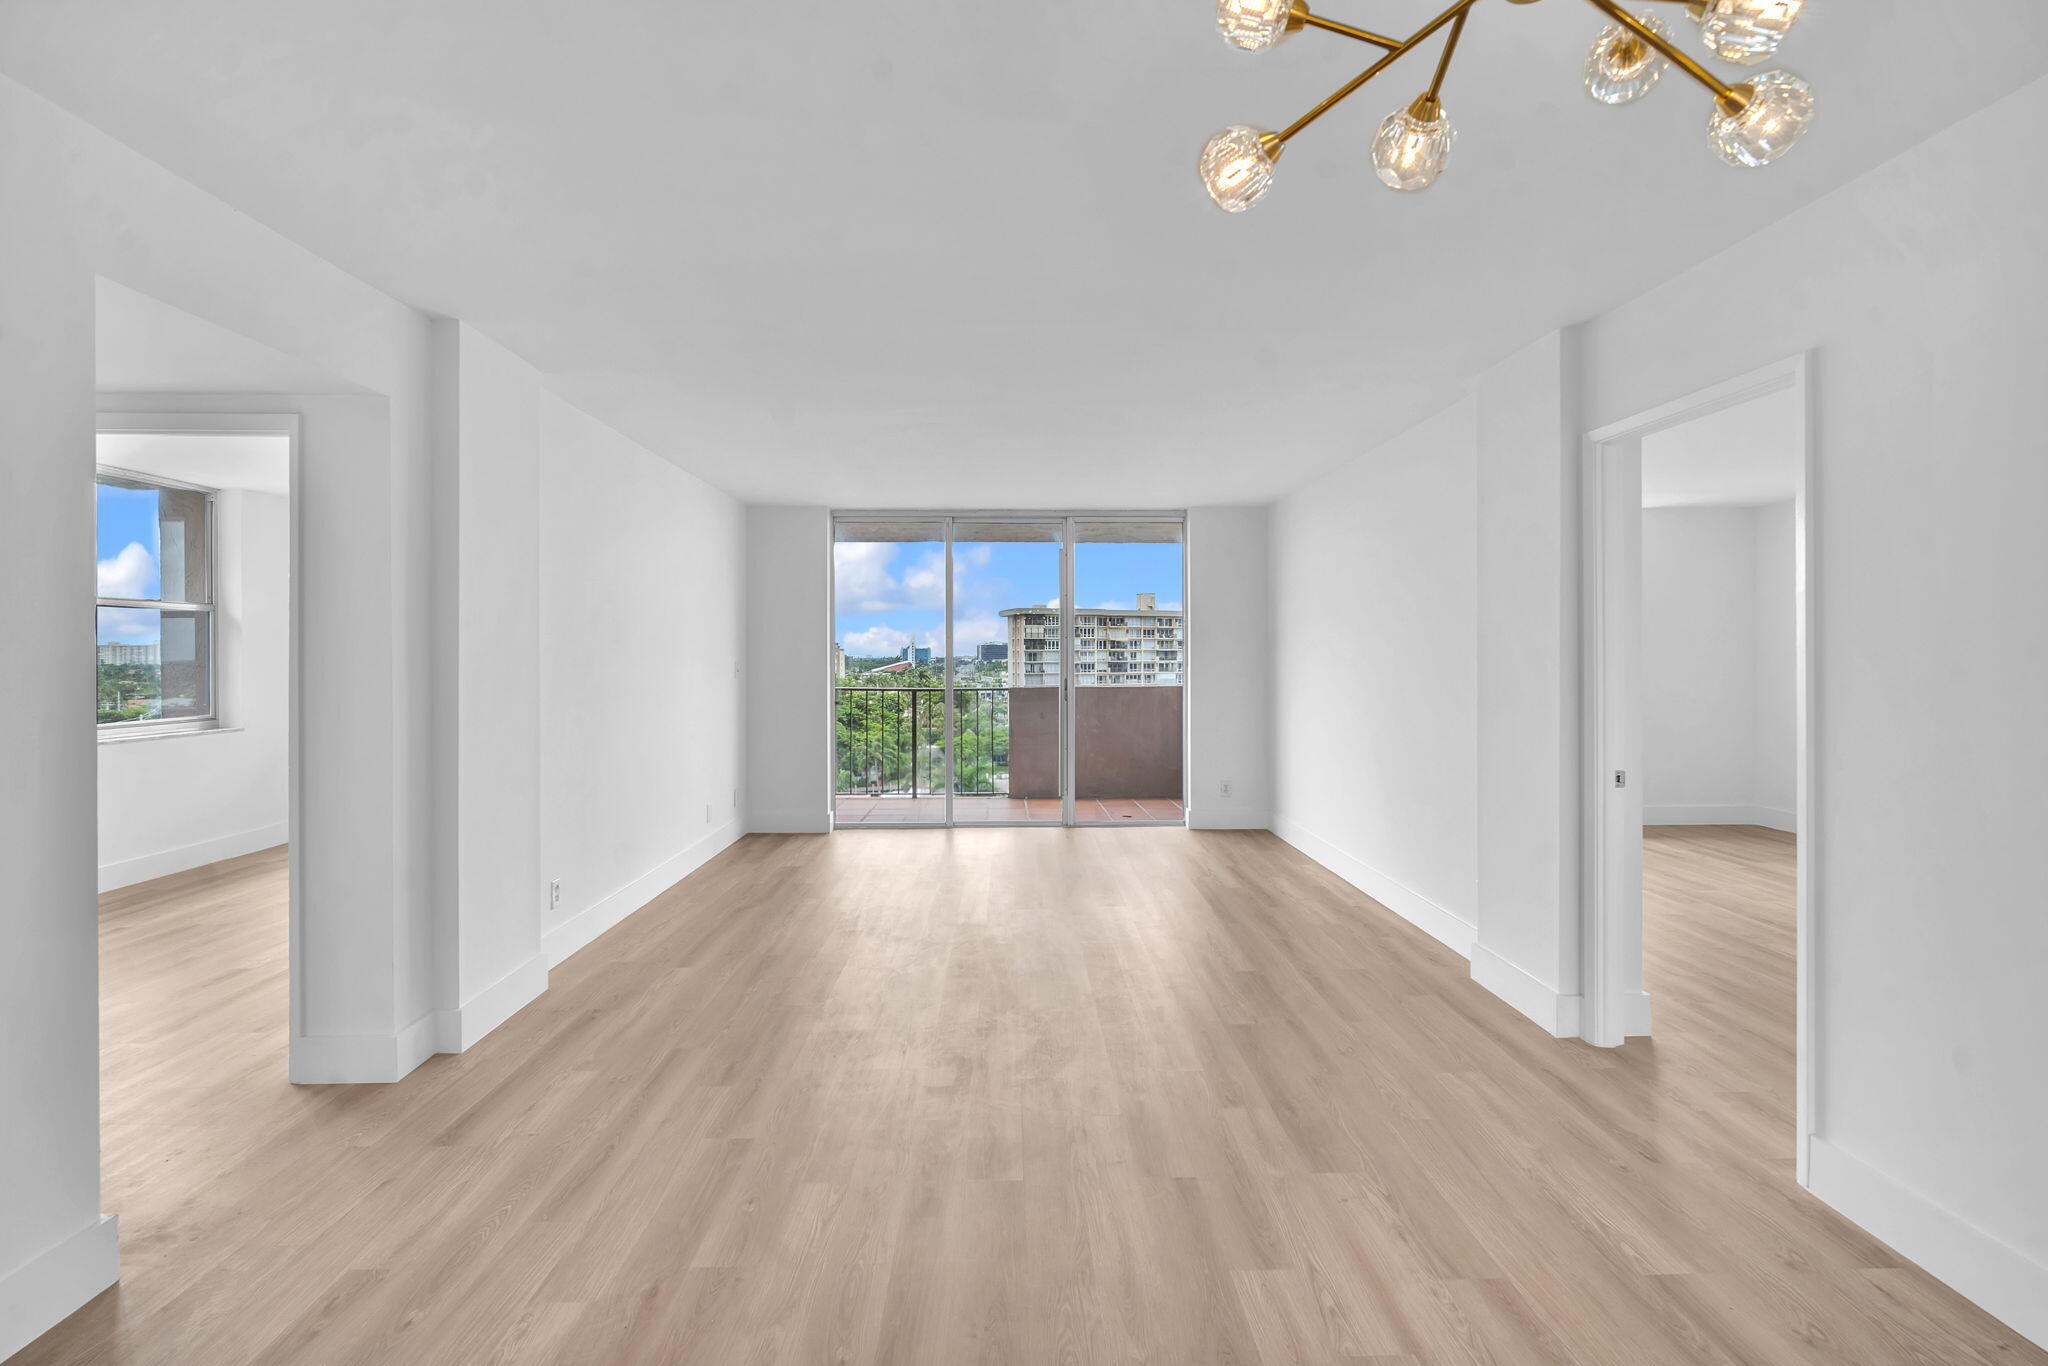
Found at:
(978, 628)
(876, 641)
(863, 583)
(128, 574)
(129, 623)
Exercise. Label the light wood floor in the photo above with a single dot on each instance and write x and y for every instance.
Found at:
(993, 1096)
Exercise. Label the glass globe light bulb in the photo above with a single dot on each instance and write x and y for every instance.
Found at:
(1747, 31)
(1254, 25)
(1779, 107)
(1412, 145)
(1623, 68)
(1237, 167)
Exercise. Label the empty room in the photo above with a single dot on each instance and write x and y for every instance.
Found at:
(1203, 682)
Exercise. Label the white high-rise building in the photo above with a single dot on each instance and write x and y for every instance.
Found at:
(1142, 646)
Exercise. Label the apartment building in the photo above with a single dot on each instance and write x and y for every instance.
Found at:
(1144, 645)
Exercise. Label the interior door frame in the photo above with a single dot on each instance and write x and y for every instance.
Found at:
(946, 521)
(1616, 1007)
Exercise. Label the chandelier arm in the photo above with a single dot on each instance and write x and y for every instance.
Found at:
(1396, 54)
(1732, 99)
(1312, 20)
(1443, 63)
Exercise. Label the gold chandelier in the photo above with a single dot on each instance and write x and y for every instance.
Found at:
(1750, 124)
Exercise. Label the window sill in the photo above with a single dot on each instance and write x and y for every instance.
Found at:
(137, 737)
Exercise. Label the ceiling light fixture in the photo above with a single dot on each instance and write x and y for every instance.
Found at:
(1751, 124)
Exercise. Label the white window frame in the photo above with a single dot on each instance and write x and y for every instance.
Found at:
(110, 731)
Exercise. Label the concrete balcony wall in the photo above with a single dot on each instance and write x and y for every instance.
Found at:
(1127, 742)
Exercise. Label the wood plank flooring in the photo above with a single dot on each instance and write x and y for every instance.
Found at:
(993, 1096)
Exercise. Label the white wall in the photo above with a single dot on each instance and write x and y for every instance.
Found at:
(1375, 692)
(588, 599)
(1229, 693)
(168, 803)
(397, 949)
(1719, 706)
(641, 570)
(788, 669)
(1930, 569)
(489, 891)
(79, 206)
(1774, 754)
(1929, 578)
(1529, 767)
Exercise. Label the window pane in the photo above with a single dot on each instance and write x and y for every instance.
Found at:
(154, 665)
(1130, 662)
(1006, 671)
(153, 542)
(888, 662)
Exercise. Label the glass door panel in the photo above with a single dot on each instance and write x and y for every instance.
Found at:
(888, 664)
(1005, 663)
(1129, 662)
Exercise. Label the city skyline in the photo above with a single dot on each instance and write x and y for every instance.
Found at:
(891, 594)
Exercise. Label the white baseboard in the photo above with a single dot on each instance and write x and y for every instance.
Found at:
(579, 929)
(456, 1031)
(1727, 813)
(1557, 1013)
(1224, 818)
(128, 872)
(1635, 1015)
(372, 1059)
(51, 1286)
(1412, 906)
(788, 822)
(1999, 1278)
(360, 1059)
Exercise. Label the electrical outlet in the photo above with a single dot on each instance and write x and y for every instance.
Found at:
(735, 799)
(707, 813)
(555, 894)
(1223, 788)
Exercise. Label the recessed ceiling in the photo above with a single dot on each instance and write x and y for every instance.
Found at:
(897, 254)
(1744, 456)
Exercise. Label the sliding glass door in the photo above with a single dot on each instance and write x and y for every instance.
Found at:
(969, 688)
(1130, 666)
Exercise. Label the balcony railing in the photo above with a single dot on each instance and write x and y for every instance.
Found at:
(891, 742)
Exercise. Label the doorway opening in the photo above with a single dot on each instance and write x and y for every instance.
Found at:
(1008, 669)
(1698, 724)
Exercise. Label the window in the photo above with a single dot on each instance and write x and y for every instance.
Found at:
(154, 628)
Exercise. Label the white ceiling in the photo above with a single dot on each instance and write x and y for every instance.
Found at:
(211, 459)
(893, 253)
(1744, 456)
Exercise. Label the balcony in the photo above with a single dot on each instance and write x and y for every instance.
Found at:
(889, 761)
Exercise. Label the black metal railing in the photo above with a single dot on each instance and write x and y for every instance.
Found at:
(891, 742)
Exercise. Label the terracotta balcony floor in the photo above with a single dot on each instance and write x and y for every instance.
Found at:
(860, 810)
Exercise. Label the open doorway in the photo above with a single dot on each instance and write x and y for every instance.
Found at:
(1698, 725)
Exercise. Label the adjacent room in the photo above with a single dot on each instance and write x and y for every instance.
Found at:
(1199, 683)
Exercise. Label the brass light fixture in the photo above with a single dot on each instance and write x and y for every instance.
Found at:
(1750, 124)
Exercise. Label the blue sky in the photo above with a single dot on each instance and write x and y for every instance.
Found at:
(892, 594)
(128, 566)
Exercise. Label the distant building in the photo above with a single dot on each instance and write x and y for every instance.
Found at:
(150, 654)
(838, 660)
(1142, 646)
(995, 652)
(916, 654)
(901, 666)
